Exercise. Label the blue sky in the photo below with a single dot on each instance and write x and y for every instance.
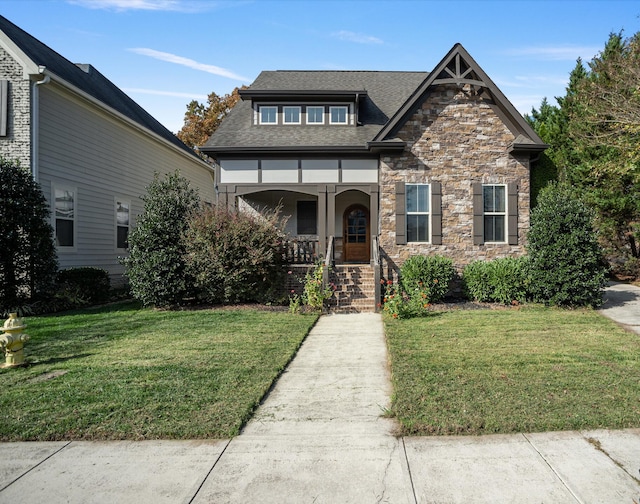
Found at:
(164, 53)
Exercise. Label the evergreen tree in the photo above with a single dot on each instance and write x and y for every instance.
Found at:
(156, 263)
(28, 261)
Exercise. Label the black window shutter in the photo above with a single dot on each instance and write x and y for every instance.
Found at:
(512, 220)
(436, 213)
(401, 215)
(478, 214)
(4, 102)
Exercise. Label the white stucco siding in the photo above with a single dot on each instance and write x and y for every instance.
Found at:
(103, 158)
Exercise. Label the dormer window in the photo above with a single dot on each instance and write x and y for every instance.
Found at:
(338, 115)
(315, 115)
(268, 115)
(291, 115)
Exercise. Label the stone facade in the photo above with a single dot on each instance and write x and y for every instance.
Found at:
(17, 143)
(456, 138)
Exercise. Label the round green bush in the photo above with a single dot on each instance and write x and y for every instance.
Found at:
(427, 274)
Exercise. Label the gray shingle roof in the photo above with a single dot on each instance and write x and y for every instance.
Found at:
(386, 92)
(87, 79)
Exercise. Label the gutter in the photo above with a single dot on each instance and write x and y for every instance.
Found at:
(35, 123)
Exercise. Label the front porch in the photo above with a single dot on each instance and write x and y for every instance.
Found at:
(335, 224)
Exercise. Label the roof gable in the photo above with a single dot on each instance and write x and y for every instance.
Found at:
(458, 67)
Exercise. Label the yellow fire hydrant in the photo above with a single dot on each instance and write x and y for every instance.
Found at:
(12, 342)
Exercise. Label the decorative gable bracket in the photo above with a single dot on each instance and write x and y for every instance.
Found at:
(459, 72)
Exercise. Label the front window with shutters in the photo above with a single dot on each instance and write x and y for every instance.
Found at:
(417, 212)
(495, 213)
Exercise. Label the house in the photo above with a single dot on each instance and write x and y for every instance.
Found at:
(92, 149)
(374, 167)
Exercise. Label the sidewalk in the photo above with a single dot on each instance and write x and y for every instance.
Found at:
(320, 438)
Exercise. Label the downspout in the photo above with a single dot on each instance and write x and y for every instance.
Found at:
(35, 123)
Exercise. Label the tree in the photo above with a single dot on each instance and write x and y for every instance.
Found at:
(28, 261)
(566, 263)
(156, 263)
(200, 121)
(594, 135)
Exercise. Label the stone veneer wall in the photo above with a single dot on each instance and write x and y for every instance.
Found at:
(17, 143)
(455, 138)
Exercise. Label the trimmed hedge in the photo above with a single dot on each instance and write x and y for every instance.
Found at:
(499, 281)
(89, 284)
(428, 275)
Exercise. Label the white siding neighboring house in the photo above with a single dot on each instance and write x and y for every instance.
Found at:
(91, 148)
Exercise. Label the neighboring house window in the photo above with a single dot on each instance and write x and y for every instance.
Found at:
(417, 212)
(291, 115)
(65, 215)
(307, 217)
(495, 212)
(268, 115)
(315, 115)
(122, 224)
(338, 115)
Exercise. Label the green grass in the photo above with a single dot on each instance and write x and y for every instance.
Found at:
(502, 371)
(123, 372)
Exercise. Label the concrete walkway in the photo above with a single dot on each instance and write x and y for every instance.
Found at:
(320, 438)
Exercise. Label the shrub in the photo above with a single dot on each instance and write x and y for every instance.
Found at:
(500, 281)
(156, 263)
(399, 304)
(28, 262)
(90, 284)
(567, 265)
(315, 292)
(428, 275)
(235, 256)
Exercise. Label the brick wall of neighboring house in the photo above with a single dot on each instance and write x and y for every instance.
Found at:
(455, 138)
(17, 143)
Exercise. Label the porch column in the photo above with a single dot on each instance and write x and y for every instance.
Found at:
(322, 219)
(331, 210)
(373, 217)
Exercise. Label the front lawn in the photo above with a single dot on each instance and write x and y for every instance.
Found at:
(123, 372)
(514, 370)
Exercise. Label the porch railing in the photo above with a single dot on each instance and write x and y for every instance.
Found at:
(377, 271)
(300, 251)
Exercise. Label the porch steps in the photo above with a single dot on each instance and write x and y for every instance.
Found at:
(355, 288)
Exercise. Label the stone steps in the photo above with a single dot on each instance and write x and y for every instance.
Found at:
(355, 289)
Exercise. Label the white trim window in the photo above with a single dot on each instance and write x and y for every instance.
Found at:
(291, 115)
(315, 115)
(268, 115)
(123, 222)
(338, 115)
(495, 213)
(417, 197)
(64, 216)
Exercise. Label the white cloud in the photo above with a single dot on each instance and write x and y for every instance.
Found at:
(180, 60)
(556, 53)
(150, 5)
(359, 38)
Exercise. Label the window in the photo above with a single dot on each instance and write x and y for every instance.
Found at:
(338, 115)
(315, 115)
(307, 217)
(291, 115)
(417, 212)
(122, 224)
(494, 205)
(268, 115)
(64, 214)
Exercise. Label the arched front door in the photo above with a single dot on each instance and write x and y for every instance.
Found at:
(356, 242)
